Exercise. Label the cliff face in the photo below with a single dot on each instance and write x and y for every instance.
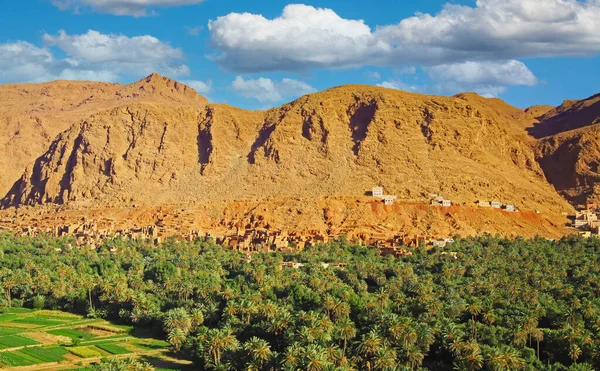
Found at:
(32, 115)
(339, 142)
(569, 149)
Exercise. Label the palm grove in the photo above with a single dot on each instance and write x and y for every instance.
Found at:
(496, 304)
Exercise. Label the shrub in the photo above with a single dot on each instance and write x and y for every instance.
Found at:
(38, 302)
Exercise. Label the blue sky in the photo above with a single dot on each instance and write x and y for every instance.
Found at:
(262, 54)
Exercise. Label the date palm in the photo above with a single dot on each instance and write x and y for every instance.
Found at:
(259, 350)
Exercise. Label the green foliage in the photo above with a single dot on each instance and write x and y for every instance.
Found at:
(496, 304)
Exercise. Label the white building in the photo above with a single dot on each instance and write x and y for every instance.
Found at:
(510, 208)
(389, 199)
(446, 203)
(496, 204)
(377, 192)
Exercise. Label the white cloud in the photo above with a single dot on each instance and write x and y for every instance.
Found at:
(136, 8)
(399, 85)
(489, 79)
(201, 87)
(486, 78)
(305, 37)
(89, 56)
(268, 91)
(302, 37)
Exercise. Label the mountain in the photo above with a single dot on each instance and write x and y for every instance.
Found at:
(164, 149)
(568, 148)
(32, 115)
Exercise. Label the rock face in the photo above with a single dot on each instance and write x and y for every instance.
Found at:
(169, 146)
(32, 115)
(568, 148)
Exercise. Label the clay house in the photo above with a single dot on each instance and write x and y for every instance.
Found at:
(584, 219)
(482, 203)
(389, 199)
(377, 192)
(591, 206)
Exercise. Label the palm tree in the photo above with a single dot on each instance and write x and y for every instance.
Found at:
(575, 352)
(346, 331)
(218, 340)
(259, 350)
(176, 338)
(368, 347)
(315, 359)
(177, 318)
(474, 309)
(385, 359)
(538, 336)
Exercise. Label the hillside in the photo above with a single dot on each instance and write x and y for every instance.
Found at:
(32, 115)
(340, 142)
(569, 148)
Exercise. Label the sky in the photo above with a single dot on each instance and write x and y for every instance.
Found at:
(261, 54)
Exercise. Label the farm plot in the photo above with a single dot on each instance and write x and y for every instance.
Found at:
(15, 359)
(85, 352)
(52, 354)
(113, 348)
(74, 334)
(39, 321)
(13, 341)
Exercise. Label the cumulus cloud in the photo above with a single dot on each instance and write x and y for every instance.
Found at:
(489, 79)
(89, 56)
(302, 37)
(136, 8)
(305, 37)
(201, 87)
(268, 91)
(486, 78)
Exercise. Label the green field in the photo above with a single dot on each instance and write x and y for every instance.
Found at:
(38, 321)
(13, 341)
(51, 354)
(39, 337)
(113, 348)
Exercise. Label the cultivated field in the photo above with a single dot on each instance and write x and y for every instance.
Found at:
(53, 340)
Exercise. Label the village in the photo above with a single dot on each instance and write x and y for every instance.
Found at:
(587, 220)
(91, 233)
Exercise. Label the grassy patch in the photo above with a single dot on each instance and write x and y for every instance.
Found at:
(53, 354)
(151, 344)
(84, 352)
(9, 331)
(12, 341)
(20, 310)
(15, 359)
(42, 321)
(4, 317)
(113, 348)
(72, 333)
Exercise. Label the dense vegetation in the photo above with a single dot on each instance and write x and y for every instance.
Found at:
(496, 304)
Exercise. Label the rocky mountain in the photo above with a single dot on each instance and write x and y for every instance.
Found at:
(32, 115)
(167, 146)
(568, 148)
